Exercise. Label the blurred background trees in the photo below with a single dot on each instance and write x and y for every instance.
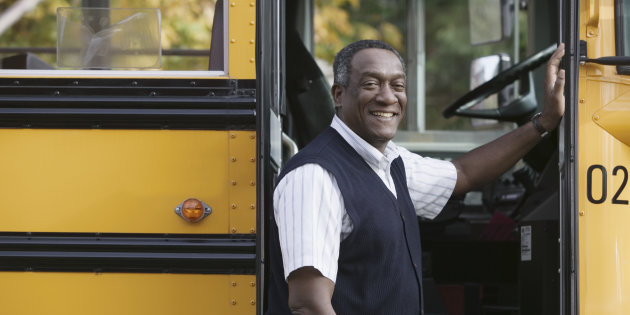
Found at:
(340, 22)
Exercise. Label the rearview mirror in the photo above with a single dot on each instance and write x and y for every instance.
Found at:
(490, 20)
(482, 70)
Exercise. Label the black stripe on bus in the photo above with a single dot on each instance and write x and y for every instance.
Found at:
(213, 104)
(128, 118)
(138, 253)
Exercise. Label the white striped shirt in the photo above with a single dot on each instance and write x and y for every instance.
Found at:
(309, 208)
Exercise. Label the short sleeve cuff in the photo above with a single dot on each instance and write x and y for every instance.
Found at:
(445, 188)
(329, 272)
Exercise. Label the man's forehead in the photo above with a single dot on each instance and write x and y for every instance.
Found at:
(371, 60)
(374, 54)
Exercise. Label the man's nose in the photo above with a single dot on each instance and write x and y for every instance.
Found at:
(386, 95)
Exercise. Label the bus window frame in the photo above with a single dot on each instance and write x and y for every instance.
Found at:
(111, 74)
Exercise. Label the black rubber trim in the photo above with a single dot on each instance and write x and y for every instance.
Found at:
(128, 118)
(128, 104)
(138, 253)
(620, 36)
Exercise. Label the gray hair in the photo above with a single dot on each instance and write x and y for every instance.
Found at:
(343, 59)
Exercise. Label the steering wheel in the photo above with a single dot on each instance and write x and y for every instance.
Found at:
(519, 108)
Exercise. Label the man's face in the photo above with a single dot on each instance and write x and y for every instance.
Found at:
(373, 103)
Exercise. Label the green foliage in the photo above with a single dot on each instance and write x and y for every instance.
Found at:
(341, 22)
(36, 29)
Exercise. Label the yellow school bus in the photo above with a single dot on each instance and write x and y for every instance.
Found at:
(599, 131)
(140, 142)
(127, 189)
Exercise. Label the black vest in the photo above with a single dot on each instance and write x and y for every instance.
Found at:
(380, 261)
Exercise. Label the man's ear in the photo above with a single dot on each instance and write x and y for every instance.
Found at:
(337, 93)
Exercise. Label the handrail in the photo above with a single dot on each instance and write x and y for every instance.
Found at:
(289, 144)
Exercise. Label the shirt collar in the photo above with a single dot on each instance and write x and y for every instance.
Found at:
(370, 154)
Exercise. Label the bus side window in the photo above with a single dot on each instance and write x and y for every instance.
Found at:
(216, 43)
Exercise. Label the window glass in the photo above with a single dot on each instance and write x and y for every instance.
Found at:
(186, 29)
(449, 54)
(622, 31)
(446, 40)
(626, 27)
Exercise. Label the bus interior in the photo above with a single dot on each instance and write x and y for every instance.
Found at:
(493, 251)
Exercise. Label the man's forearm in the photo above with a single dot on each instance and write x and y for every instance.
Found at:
(488, 162)
(485, 163)
(310, 292)
(312, 311)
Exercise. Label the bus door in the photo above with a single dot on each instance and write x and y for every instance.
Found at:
(596, 208)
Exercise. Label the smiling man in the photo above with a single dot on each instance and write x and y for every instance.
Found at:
(345, 238)
(373, 102)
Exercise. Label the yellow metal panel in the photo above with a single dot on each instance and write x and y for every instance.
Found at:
(112, 180)
(242, 172)
(603, 230)
(29, 293)
(603, 153)
(593, 18)
(242, 39)
(615, 117)
(243, 294)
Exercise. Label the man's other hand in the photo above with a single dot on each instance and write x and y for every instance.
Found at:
(554, 91)
(310, 292)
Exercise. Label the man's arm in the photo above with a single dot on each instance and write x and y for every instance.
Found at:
(310, 292)
(489, 161)
(309, 194)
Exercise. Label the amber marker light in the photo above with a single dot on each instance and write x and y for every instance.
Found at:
(193, 210)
